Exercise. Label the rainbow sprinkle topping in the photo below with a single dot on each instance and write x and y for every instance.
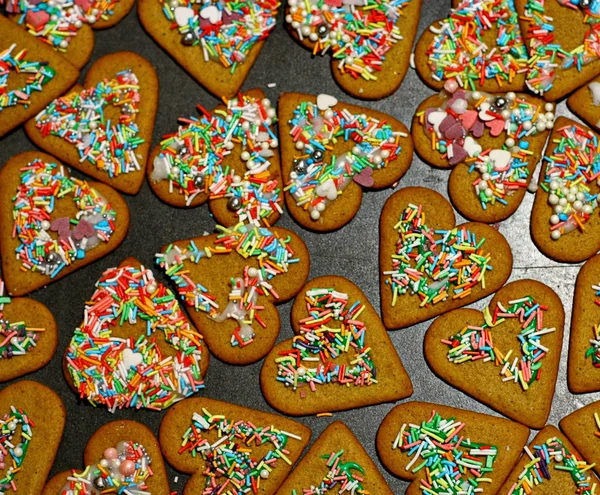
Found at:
(13, 446)
(340, 475)
(594, 350)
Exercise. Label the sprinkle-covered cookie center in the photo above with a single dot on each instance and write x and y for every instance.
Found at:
(13, 446)
(346, 476)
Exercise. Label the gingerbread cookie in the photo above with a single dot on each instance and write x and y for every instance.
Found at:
(110, 141)
(428, 264)
(447, 450)
(584, 346)
(565, 224)
(119, 329)
(31, 427)
(563, 39)
(52, 224)
(224, 445)
(336, 463)
(506, 357)
(31, 76)
(551, 465)
(216, 42)
(330, 151)
(341, 357)
(120, 454)
(229, 157)
(585, 103)
(479, 46)
(492, 143)
(369, 41)
(582, 427)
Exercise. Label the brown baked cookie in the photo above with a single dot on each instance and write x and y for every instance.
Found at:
(197, 435)
(326, 164)
(561, 37)
(344, 359)
(565, 224)
(131, 332)
(550, 465)
(585, 103)
(216, 46)
(133, 446)
(582, 427)
(414, 290)
(517, 340)
(336, 461)
(126, 85)
(29, 336)
(32, 215)
(231, 282)
(369, 47)
(32, 420)
(583, 370)
(492, 143)
(489, 55)
(228, 157)
(415, 431)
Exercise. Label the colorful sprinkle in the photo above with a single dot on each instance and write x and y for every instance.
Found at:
(13, 446)
(340, 475)
(594, 350)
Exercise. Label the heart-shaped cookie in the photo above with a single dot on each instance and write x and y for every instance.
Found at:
(369, 41)
(120, 453)
(585, 103)
(329, 153)
(32, 420)
(228, 157)
(584, 344)
(563, 39)
(152, 355)
(341, 357)
(551, 464)
(31, 75)
(232, 281)
(582, 427)
(216, 41)
(224, 444)
(492, 143)
(447, 450)
(37, 192)
(565, 220)
(428, 264)
(478, 46)
(110, 141)
(336, 463)
(506, 357)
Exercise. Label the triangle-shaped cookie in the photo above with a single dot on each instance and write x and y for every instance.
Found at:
(223, 445)
(111, 142)
(133, 323)
(506, 357)
(417, 281)
(336, 463)
(31, 75)
(132, 442)
(582, 427)
(565, 224)
(585, 103)
(216, 42)
(341, 357)
(421, 441)
(45, 237)
(330, 151)
(228, 157)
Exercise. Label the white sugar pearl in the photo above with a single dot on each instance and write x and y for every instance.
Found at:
(571, 197)
(245, 156)
(328, 114)
(486, 176)
(313, 37)
(554, 185)
(558, 458)
(299, 145)
(320, 207)
(510, 96)
(476, 95)
(489, 193)
(578, 205)
(540, 126)
(266, 102)
(295, 24)
(252, 272)
(554, 219)
(588, 210)
(558, 209)
(548, 107)
(45, 224)
(305, 30)
(264, 474)
(553, 199)
(18, 452)
(563, 202)
(152, 288)
(510, 142)
(315, 215)
(527, 125)
(385, 154)
(555, 234)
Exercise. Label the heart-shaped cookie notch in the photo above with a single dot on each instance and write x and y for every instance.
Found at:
(216, 42)
(76, 222)
(369, 42)
(231, 282)
(506, 357)
(330, 151)
(493, 144)
(132, 455)
(228, 157)
(197, 435)
(134, 324)
(445, 435)
(111, 142)
(428, 264)
(341, 357)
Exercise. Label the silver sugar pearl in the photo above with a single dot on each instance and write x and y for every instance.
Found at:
(199, 181)
(99, 483)
(500, 102)
(188, 38)
(300, 166)
(234, 203)
(318, 155)
(322, 30)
